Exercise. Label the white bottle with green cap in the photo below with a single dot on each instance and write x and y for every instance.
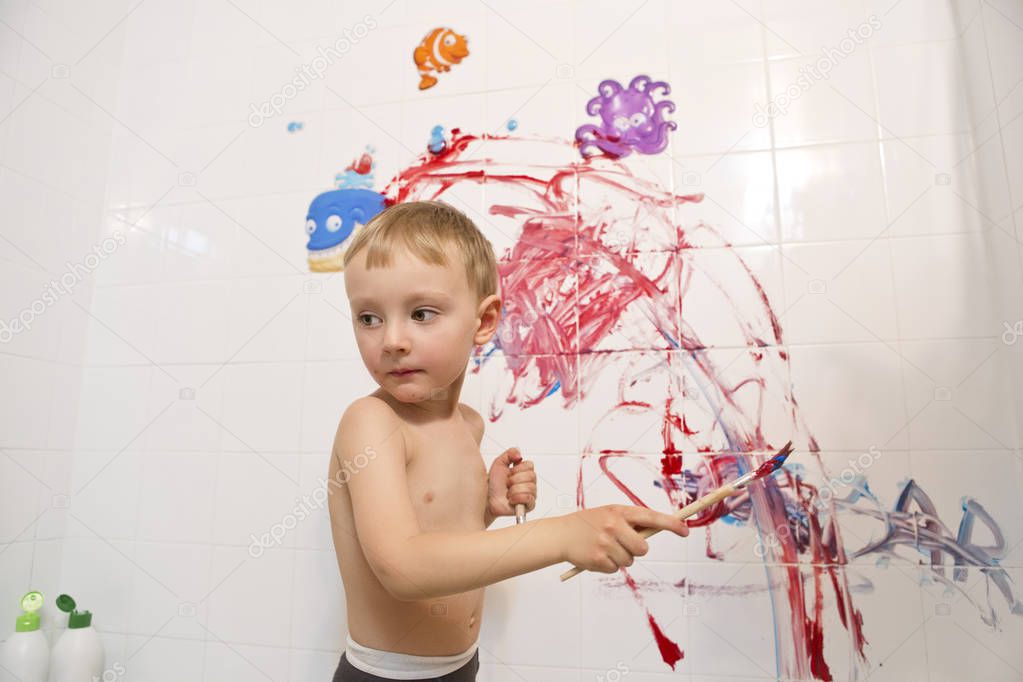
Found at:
(26, 653)
(78, 654)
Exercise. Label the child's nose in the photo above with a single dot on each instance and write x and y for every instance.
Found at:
(395, 339)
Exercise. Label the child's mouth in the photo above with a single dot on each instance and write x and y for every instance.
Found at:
(404, 372)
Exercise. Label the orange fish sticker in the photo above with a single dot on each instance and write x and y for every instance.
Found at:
(441, 48)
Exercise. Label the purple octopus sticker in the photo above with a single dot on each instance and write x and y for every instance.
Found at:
(630, 119)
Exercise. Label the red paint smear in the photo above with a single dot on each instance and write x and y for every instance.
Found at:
(671, 465)
(571, 291)
(670, 651)
(685, 428)
(814, 629)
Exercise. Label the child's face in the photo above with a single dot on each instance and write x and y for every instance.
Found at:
(418, 316)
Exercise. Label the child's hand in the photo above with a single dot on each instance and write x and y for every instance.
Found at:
(606, 538)
(507, 487)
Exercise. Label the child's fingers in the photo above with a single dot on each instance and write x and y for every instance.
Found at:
(511, 457)
(522, 477)
(523, 493)
(507, 458)
(526, 498)
(648, 518)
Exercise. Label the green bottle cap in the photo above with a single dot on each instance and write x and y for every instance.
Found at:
(75, 619)
(29, 620)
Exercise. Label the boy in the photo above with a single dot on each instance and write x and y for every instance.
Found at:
(409, 522)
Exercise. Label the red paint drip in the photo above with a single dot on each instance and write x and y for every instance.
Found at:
(670, 651)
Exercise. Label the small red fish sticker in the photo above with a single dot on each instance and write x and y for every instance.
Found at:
(441, 48)
(363, 165)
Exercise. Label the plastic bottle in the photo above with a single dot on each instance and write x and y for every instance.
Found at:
(26, 653)
(78, 654)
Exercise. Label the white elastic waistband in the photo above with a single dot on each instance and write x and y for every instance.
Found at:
(404, 666)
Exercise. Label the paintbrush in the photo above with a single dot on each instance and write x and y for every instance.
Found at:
(712, 498)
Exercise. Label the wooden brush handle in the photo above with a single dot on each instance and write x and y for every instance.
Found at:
(685, 512)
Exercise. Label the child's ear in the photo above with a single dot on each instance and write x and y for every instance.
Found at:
(489, 314)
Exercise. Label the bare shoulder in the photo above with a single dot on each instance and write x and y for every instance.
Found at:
(370, 458)
(366, 422)
(474, 420)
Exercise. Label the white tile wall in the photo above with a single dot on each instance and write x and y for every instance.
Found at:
(186, 392)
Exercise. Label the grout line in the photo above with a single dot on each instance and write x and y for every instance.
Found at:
(320, 452)
(779, 231)
(994, 282)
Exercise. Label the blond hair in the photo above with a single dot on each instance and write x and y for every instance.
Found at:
(425, 228)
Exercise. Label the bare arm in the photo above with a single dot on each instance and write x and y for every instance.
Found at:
(409, 563)
(465, 561)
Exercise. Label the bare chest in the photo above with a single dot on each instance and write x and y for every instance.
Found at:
(447, 479)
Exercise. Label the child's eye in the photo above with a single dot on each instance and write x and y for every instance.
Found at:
(425, 311)
(363, 319)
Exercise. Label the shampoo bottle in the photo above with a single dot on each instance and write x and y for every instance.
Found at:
(78, 654)
(26, 653)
